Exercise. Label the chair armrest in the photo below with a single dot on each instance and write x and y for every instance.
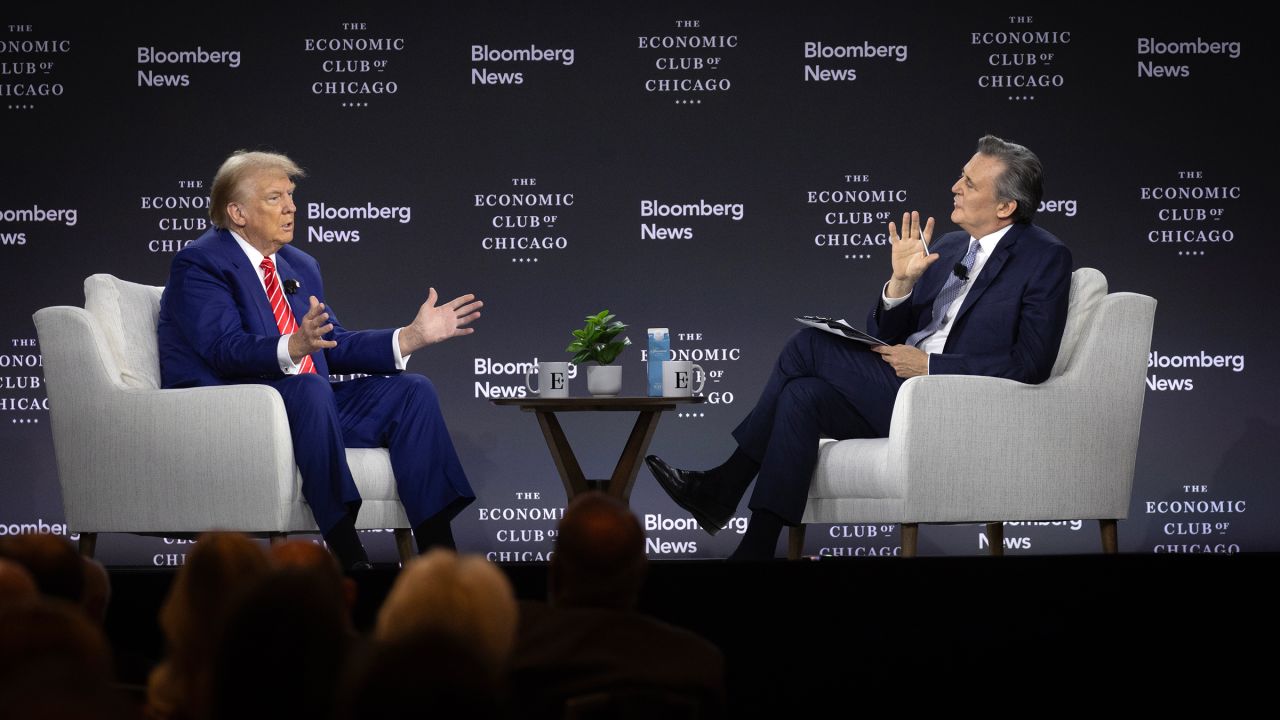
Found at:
(1017, 451)
(159, 459)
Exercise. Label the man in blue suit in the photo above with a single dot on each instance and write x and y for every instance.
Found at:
(232, 313)
(988, 300)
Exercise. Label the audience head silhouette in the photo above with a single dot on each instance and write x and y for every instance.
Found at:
(219, 569)
(307, 555)
(52, 561)
(462, 595)
(296, 616)
(599, 558)
(436, 673)
(16, 584)
(55, 663)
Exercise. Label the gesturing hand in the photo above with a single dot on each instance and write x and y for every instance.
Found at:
(909, 257)
(437, 323)
(309, 337)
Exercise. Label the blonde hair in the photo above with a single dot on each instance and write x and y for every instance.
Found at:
(229, 185)
(465, 596)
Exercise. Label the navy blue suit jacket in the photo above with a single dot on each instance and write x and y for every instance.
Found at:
(216, 325)
(1011, 322)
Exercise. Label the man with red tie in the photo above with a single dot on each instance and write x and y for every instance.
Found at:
(244, 306)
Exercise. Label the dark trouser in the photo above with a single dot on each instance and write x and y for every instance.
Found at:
(398, 412)
(822, 385)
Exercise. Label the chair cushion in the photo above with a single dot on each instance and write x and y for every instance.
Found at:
(1088, 287)
(127, 313)
(371, 470)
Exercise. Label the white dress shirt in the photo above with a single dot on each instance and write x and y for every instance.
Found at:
(938, 340)
(287, 365)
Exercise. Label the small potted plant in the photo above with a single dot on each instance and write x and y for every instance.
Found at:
(596, 342)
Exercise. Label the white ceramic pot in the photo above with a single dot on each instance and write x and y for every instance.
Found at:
(604, 380)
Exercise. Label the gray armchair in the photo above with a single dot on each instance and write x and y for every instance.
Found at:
(134, 458)
(966, 449)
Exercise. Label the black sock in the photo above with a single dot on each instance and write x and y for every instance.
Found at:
(344, 542)
(737, 472)
(434, 532)
(761, 538)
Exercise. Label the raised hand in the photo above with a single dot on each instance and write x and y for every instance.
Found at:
(309, 337)
(437, 323)
(909, 256)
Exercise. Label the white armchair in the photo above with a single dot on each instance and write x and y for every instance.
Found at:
(134, 458)
(967, 449)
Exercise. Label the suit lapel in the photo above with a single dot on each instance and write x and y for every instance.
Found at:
(1004, 250)
(250, 283)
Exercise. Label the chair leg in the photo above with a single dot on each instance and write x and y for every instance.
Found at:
(1110, 538)
(88, 543)
(404, 545)
(795, 542)
(910, 533)
(276, 538)
(995, 538)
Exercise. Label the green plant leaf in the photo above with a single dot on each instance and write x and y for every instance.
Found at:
(595, 341)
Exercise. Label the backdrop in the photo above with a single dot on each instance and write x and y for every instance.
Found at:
(712, 168)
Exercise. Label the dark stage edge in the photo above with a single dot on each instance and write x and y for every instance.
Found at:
(924, 633)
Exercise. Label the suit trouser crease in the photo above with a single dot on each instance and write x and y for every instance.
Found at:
(821, 385)
(398, 412)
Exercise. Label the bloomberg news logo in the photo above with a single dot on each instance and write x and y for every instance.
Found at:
(512, 377)
(150, 56)
(402, 214)
(734, 211)
(488, 56)
(1162, 364)
(37, 526)
(681, 544)
(31, 216)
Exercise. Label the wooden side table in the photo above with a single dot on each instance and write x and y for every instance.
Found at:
(650, 409)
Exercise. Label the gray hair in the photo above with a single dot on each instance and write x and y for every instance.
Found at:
(229, 183)
(463, 596)
(1023, 178)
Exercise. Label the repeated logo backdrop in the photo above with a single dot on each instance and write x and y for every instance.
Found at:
(713, 168)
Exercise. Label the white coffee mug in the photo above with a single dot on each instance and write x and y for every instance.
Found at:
(677, 378)
(553, 380)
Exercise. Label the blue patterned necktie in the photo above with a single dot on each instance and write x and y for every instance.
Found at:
(950, 291)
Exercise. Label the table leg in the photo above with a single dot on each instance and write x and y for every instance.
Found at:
(624, 475)
(566, 462)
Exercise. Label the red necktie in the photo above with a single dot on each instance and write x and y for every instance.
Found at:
(284, 314)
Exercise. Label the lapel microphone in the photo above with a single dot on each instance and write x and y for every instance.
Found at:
(960, 270)
(291, 286)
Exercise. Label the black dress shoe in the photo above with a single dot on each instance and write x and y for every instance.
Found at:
(360, 566)
(691, 491)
